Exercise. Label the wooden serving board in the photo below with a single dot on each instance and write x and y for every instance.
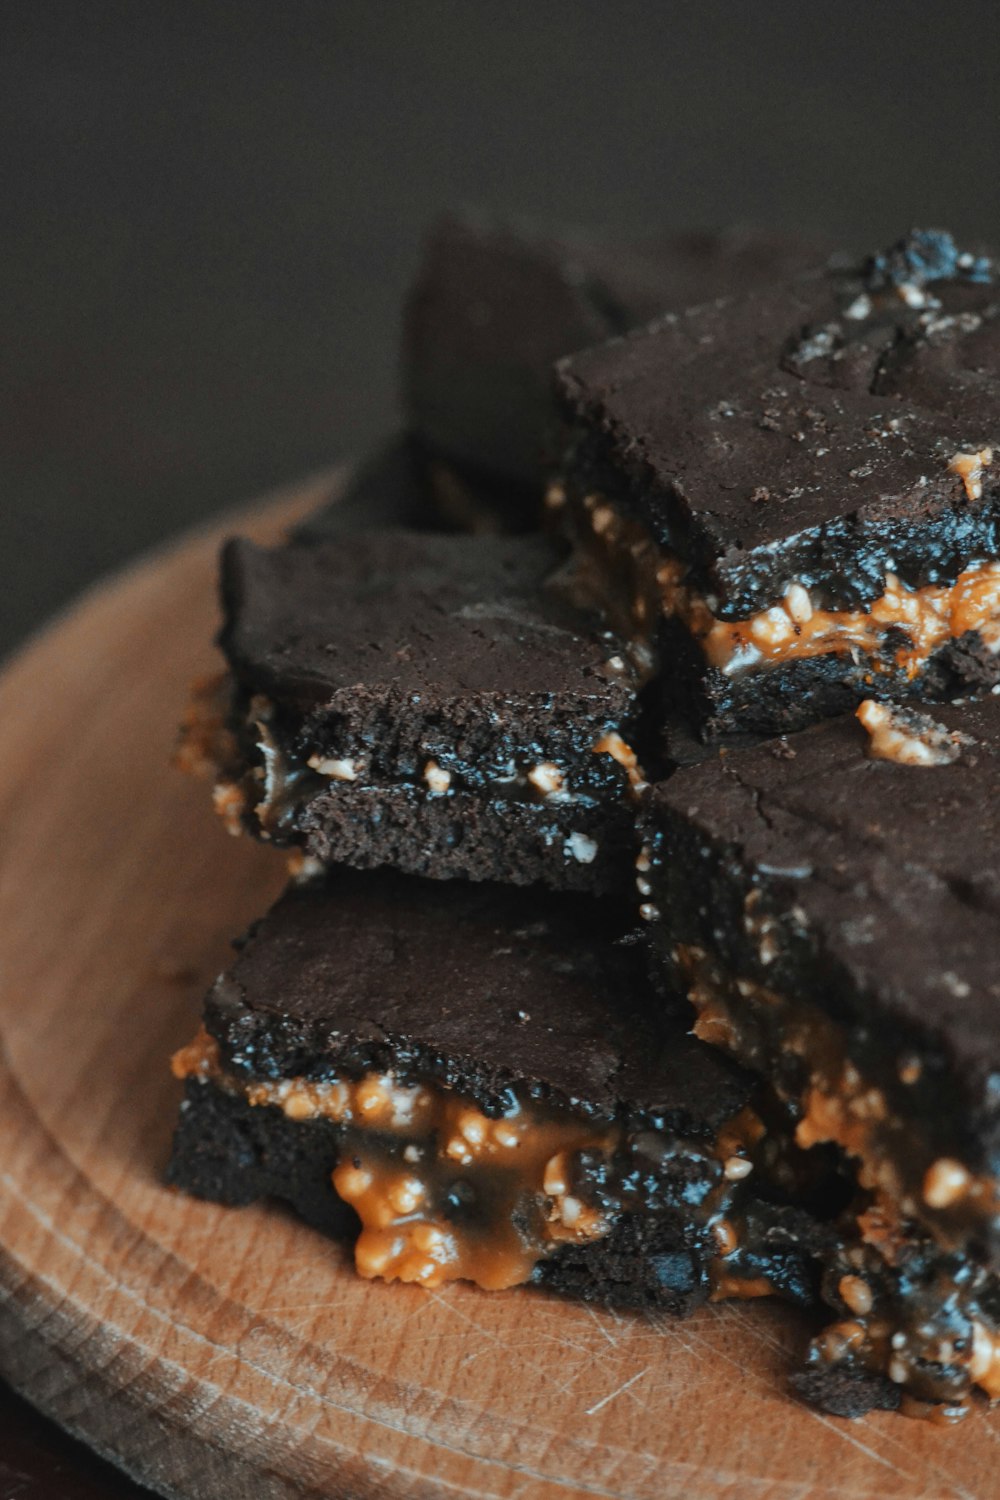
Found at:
(216, 1353)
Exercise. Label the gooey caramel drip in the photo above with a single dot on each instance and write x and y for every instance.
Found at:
(445, 1192)
(410, 1152)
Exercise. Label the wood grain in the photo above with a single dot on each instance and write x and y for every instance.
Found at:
(223, 1353)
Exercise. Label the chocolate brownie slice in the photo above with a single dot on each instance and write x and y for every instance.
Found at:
(494, 305)
(790, 499)
(386, 489)
(401, 485)
(471, 1077)
(427, 702)
(830, 905)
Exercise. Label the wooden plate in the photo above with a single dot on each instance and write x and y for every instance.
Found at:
(217, 1353)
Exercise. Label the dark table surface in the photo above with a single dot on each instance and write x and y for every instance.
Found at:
(210, 213)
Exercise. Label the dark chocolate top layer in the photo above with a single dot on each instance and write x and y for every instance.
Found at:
(953, 366)
(411, 614)
(495, 305)
(481, 987)
(802, 433)
(889, 873)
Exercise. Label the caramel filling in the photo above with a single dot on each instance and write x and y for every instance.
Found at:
(969, 468)
(928, 617)
(206, 747)
(791, 1041)
(612, 744)
(635, 583)
(418, 1162)
(787, 1039)
(446, 1192)
(205, 744)
(931, 1329)
(406, 1237)
(907, 737)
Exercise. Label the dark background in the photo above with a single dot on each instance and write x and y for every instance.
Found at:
(210, 211)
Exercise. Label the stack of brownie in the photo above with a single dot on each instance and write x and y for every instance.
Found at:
(619, 957)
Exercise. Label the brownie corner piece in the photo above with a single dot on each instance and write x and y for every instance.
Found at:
(430, 702)
(792, 497)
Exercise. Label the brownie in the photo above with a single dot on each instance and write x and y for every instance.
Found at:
(789, 498)
(386, 489)
(477, 1071)
(494, 305)
(429, 702)
(830, 906)
(401, 485)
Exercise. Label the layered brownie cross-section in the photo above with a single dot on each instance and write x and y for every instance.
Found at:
(426, 702)
(830, 905)
(466, 1081)
(790, 500)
